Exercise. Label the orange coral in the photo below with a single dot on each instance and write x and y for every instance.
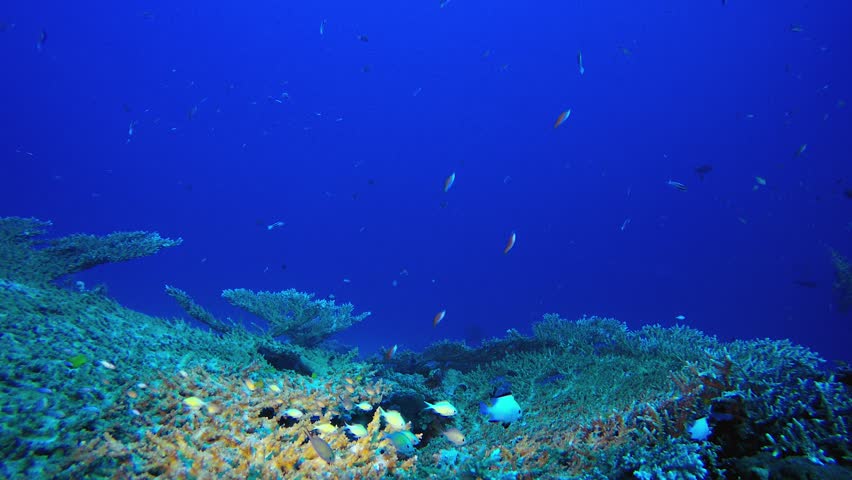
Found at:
(229, 438)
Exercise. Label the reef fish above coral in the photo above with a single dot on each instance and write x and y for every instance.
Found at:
(91, 389)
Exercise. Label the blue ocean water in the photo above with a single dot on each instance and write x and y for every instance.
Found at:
(214, 121)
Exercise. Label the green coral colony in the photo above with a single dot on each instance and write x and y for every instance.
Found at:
(91, 389)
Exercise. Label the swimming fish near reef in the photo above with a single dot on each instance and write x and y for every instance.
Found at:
(324, 428)
(293, 413)
(455, 436)
(680, 317)
(676, 185)
(438, 317)
(357, 430)
(365, 406)
(448, 182)
(442, 408)
(321, 447)
(391, 351)
(193, 402)
(510, 243)
(561, 118)
(404, 442)
(503, 409)
(393, 418)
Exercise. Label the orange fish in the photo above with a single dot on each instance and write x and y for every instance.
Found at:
(448, 183)
(438, 317)
(511, 242)
(389, 352)
(562, 117)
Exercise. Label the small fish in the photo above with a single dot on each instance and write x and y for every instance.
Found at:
(214, 407)
(680, 318)
(275, 225)
(448, 182)
(193, 402)
(561, 118)
(676, 185)
(321, 447)
(625, 224)
(393, 418)
(391, 351)
(404, 442)
(442, 408)
(107, 365)
(274, 388)
(42, 38)
(503, 409)
(796, 28)
(580, 62)
(760, 181)
(324, 428)
(444, 3)
(801, 150)
(455, 436)
(438, 317)
(357, 430)
(249, 383)
(510, 243)
(365, 406)
(322, 26)
(702, 170)
(293, 413)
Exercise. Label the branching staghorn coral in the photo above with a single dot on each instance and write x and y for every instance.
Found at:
(196, 311)
(27, 259)
(304, 320)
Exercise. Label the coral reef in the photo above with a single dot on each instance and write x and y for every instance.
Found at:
(196, 311)
(26, 258)
(296, 315)
(91, 389)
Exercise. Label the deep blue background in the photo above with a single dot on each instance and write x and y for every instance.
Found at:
(354, 161)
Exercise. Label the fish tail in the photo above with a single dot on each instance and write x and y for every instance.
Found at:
(483, 408)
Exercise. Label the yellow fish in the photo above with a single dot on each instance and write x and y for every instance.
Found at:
(442, 408)
(293, 413)
(193, 402)
(324, 427)
(393, 418)
(357, 430)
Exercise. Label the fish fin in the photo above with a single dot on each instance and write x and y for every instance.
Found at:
(506, 424)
